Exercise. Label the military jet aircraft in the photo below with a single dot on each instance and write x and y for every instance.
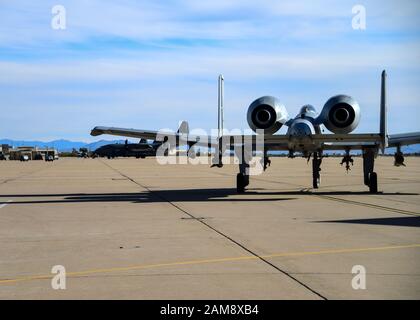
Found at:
(266, 115)
(141, 150)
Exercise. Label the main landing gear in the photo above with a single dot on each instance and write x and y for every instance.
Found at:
(242, 178)
(370, 177)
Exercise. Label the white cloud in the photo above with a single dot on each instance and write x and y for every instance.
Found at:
(301, 51)
(27, 22)
(203, 62)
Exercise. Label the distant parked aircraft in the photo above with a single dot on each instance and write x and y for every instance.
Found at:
(142, 149)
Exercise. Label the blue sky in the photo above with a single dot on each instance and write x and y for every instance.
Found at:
(150, 64)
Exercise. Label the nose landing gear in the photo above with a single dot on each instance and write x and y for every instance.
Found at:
(316, 168)
(347, 159)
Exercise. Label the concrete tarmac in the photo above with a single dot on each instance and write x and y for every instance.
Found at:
(134, 229)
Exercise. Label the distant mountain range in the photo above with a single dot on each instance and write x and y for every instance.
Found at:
(61, 145)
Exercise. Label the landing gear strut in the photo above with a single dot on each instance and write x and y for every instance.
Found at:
(218, 155)
(316, 168)
(370, 177)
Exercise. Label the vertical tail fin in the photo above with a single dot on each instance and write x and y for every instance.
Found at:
(184, 128)
(217, 161)
(383, 126)
(220, 99)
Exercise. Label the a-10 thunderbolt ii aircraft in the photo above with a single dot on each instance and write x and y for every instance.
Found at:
(142, 149)
(266, 115)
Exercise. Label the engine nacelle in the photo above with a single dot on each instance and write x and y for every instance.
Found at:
(341, 114)
(266, 113)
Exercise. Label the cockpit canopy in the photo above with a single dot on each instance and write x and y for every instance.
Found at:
(307, 111)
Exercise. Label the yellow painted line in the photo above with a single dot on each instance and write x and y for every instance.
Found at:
(411, 213)
(205, 261)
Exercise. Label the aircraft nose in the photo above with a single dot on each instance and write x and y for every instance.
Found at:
(301, 129)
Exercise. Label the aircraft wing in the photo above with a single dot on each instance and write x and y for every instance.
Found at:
(347, 141)
(325, 141)
(181, 138)
(132, 133)
(271, 142)
(356, 141)
(403, 139)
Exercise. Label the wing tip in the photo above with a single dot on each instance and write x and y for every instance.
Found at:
(96, 131)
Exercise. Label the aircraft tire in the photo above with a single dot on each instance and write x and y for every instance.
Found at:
(316, 182)
(373, 183)
(240, 183)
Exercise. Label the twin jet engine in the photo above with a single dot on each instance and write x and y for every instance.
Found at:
(340, 114)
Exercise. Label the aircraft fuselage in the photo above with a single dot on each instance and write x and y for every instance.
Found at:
(301, 129)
